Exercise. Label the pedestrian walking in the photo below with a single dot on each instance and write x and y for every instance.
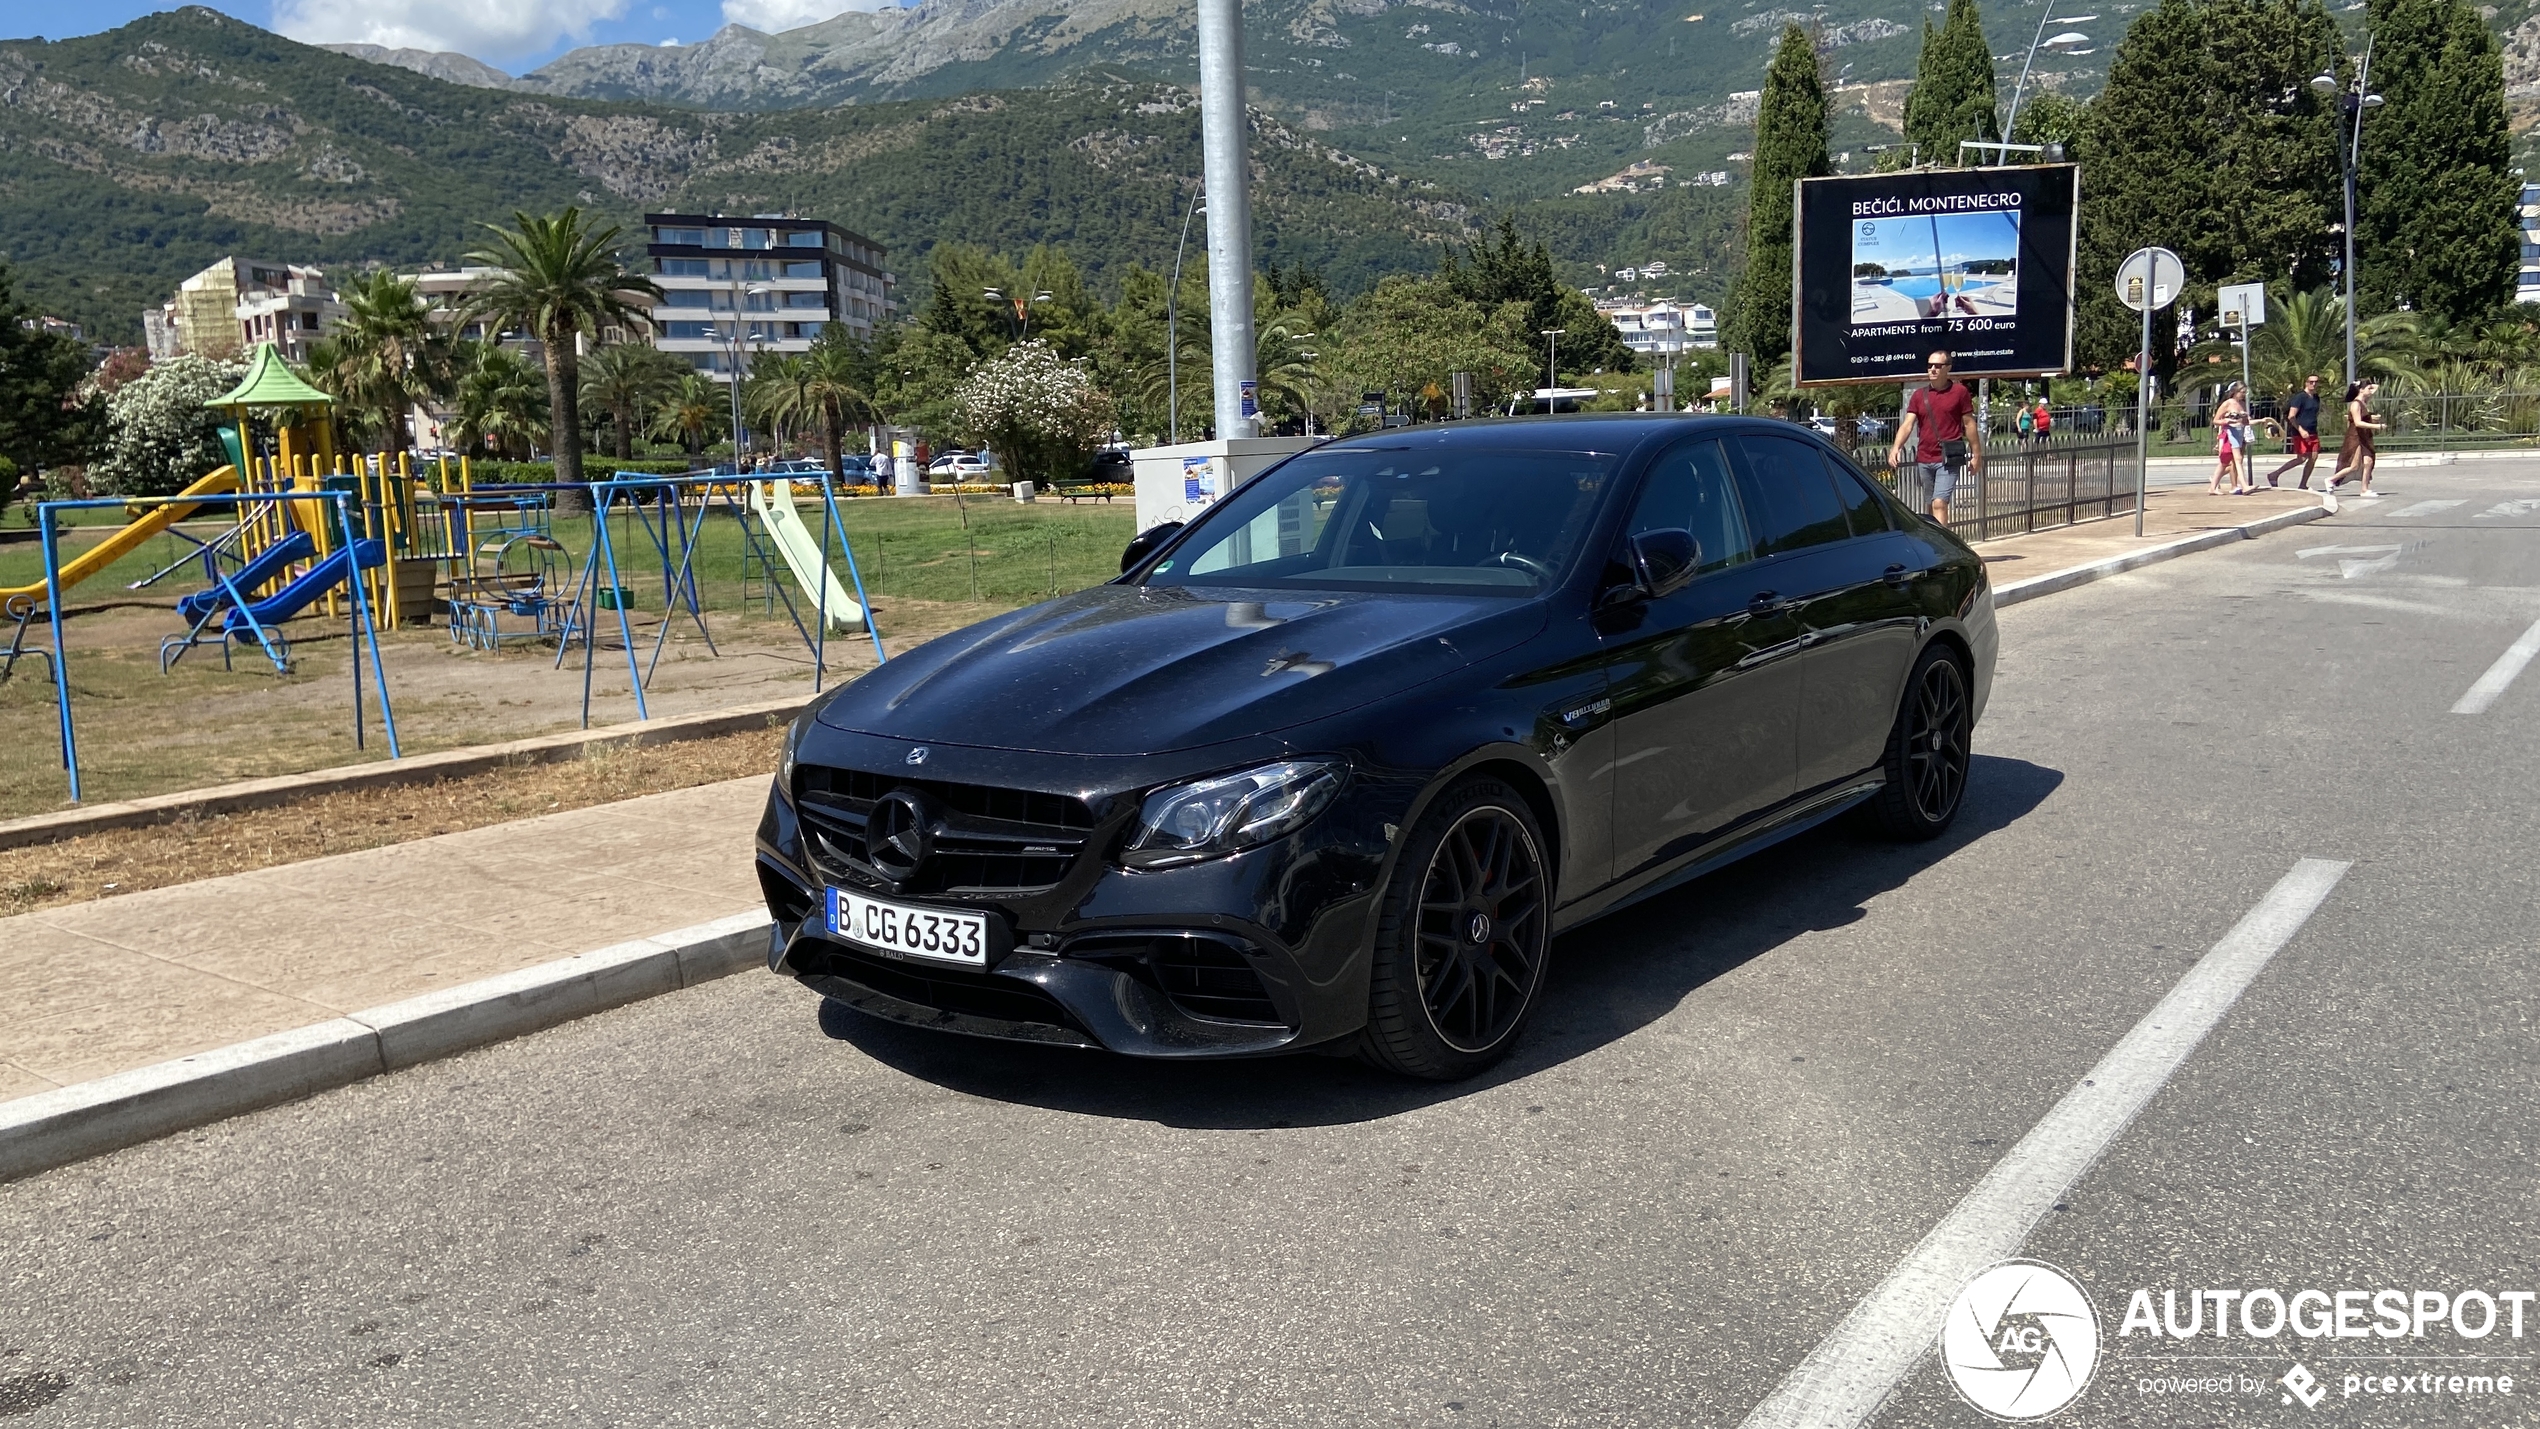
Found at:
(2356, 459)
(2231, 437)
(2043, 423)
(1940, 422)
(2302, 433)
(2026, 422)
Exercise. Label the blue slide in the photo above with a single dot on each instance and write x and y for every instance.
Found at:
(295, 547)
(316, 581)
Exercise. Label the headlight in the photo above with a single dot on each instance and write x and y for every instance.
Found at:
(1210, 817)
(785, 760)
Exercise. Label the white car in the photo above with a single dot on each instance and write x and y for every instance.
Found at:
(962, 466)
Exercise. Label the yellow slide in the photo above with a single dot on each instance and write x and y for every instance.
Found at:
(18, 600)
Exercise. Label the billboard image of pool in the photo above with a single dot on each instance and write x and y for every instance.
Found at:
(1935, 266)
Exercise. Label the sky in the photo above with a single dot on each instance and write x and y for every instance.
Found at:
(515, 35)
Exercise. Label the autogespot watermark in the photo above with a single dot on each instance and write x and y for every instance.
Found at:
(2023, 1341)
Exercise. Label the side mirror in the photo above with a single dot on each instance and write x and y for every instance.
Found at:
(1144, 544)
(1665, 559)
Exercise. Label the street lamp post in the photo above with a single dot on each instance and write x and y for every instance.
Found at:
(1552, 360)
(2034, 42)
(1022, 319)
(732, 345)
(1172, 329)
(2352, 102)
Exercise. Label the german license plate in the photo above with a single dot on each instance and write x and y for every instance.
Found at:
(904, 931)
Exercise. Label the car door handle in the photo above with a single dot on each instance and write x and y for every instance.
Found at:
(1766, 602)
(1899, 576)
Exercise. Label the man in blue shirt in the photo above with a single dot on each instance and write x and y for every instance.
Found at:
(2301, 432)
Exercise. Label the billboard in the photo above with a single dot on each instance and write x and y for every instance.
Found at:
(1888, 267)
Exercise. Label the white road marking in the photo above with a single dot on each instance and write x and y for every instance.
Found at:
(2348, 570)
(1850, 1374)
(2526, 506)
(2500, 674)
(2427, 508)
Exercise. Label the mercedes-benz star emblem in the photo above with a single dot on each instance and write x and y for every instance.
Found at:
(897, 835)
(917, 755)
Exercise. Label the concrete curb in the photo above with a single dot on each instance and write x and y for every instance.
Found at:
(55, 1128)
(2048, 584)
(420, 769)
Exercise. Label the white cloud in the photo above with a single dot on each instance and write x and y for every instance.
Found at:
(771, 16)
(491, 30)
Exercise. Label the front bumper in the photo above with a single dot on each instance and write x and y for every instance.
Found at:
(1261, 952)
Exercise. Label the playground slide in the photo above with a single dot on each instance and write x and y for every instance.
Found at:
(774, 503)
(17, 600)
(316, 581)
(268, 563)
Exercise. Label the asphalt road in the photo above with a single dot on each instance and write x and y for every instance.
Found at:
(1740, 1110)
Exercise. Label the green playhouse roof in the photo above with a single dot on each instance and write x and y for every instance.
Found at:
(270, 382)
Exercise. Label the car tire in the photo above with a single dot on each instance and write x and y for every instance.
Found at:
(1464, 936)
(1928, 755)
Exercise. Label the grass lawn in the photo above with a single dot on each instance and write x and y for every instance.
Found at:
(142, 732)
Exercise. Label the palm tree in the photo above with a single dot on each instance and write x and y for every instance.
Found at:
(833, 384)
(1279, 364)
(2305, 333)
(629, 379)
(560, 281)
(501, 402)
(389, 355)
(694, 407)
(775, 392)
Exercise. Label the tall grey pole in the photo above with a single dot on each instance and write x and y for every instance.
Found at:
(2354, 158)
(2143, 408)
(1227, 182)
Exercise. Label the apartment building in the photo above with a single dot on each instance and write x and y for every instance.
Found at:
(735, 287)
(2527, 283)
(1658, 328)
(236, 303)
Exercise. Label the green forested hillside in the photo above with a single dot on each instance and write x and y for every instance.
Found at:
(133, 158)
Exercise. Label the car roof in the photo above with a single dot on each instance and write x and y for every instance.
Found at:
(1616, 432)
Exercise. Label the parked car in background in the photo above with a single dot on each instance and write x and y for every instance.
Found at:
(963, 466)
(1330, 766)
(1112, 464)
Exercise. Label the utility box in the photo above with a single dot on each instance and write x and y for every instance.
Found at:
(1177, 483)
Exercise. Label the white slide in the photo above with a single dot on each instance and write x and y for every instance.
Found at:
(774, 503)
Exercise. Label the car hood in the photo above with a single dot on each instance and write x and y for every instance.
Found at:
(1134, 670)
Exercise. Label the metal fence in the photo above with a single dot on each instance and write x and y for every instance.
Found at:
(2420, 421)
(2028, 486)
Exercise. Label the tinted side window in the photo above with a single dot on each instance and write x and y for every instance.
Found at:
(1690, 487)
(1867, 513)
(1790, 500)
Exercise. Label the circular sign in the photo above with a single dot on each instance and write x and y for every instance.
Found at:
(2150, 277)
(2021, 1341)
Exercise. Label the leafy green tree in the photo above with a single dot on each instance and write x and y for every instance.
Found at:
(1790, 145)
(2209, 141)
(1040, 413)
(836, 382)
(40, 371)
(1505, 268)
(1953, 94)
(2436, 227)
(159, 436)
(1408, 337)
(561, 280)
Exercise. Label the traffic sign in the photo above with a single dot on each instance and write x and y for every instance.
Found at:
(2244, 305)
(2150, 279)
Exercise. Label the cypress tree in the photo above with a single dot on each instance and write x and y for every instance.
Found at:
(1953, 95)
(2208, 141)
(2435, 224)
(1790, 145)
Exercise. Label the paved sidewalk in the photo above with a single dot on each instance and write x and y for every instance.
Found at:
(105, 987)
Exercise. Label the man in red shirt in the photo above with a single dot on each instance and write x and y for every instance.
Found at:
(1940, 421)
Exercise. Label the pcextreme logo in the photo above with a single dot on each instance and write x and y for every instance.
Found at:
(2021, 1340)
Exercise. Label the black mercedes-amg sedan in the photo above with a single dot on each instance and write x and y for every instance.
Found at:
(1329, 766)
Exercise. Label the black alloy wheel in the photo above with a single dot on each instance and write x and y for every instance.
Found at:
(1929, 751)
(1461, 951)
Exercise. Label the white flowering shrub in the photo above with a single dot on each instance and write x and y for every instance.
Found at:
(160, 437)
(1041, 414)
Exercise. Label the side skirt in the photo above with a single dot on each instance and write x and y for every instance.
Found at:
(1799, 820)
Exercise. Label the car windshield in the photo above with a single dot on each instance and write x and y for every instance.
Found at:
(1493, 522)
